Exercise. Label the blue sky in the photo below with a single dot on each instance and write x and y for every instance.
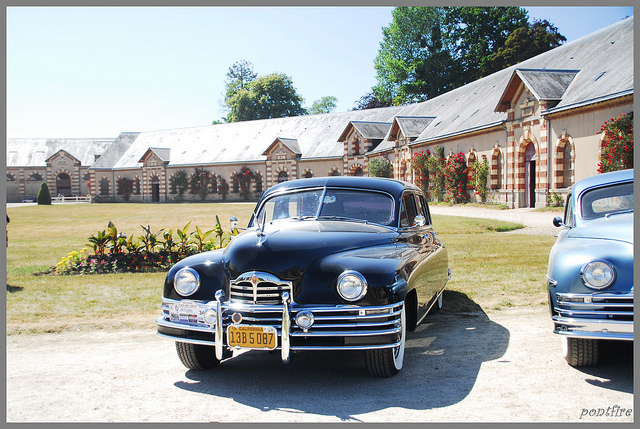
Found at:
(96, 72)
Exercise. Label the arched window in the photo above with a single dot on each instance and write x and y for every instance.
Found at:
(104, 187)
(307, 175)
(334, 173)
(496, 168)
(471, 159)
(566, 167)
(63, 185)
(283, 177)
(10, 177)
(35, 177)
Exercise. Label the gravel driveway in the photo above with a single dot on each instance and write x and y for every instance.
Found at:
(505, 366)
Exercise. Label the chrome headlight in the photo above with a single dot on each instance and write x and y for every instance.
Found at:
(352, 285)
(598, 275)
(186, 281)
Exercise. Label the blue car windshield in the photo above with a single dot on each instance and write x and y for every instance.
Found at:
(336, 204)
(607, 200)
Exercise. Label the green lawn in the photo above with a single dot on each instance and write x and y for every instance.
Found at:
(490, 269)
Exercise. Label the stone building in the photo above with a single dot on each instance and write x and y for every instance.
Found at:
(537, 123)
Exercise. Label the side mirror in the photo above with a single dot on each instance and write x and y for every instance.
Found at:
(557, 221)
(419, 220)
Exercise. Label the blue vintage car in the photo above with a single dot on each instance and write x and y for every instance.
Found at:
(334, 263)
(590, 273)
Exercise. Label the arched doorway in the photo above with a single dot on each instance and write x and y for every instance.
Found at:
(530, 175)
(63, 185)
(155, 189)
(283, 176)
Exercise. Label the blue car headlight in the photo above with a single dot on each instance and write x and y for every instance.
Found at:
(598, 275)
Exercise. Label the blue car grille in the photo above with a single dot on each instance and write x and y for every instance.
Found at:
(604, 305)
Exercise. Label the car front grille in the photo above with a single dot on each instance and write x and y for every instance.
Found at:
(255, 287)
(609, 305)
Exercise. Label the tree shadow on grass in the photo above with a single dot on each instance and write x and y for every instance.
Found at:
(12, 289)
(442, 360)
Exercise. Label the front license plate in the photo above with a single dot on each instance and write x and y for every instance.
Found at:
(186, 311)
(252, 337)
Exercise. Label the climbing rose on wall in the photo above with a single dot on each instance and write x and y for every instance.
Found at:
(455, 178)
(617, 150)
(419, 166)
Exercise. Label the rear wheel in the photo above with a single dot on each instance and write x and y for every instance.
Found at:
(580, 351)
(387, 362)
(196, 356)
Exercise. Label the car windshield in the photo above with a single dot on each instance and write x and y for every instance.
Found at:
(607, 200)
(337, 204)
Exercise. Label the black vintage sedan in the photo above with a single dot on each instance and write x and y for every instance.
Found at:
(334, 263)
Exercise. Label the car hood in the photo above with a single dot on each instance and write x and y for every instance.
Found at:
(617, 227)
(288, 248)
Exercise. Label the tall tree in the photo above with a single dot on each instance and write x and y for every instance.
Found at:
(427, 51)
(270, 96)
(478, 32)
(324, 105)
(239, 76)
(524, 43)
(408, 45)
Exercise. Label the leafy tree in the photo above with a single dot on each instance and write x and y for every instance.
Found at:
(524, 43)
(380, 167)
(371, 101)
(478, 32)
(44, 195)
(410, 41)
(324, 105)
(270, 96)
(427, 51)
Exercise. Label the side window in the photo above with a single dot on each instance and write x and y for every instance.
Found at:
(424, 209)
(408, 211)
(568, 211)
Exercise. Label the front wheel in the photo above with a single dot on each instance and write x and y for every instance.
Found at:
(387, 362)
(196, 356)
(580, 351)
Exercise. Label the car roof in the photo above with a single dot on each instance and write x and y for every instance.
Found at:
(602, 180)
(391, 186)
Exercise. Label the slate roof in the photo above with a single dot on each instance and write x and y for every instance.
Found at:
(410, 126)
(34, 152)
(238, 142)
(292, 144)
(368, 130)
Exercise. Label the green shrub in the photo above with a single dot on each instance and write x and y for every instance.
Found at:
(44, 196)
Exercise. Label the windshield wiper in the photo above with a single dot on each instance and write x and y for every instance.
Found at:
(618, 212)
(302, 217)
(348, 219)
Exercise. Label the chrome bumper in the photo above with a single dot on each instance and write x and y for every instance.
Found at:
(357, 327)
(593, 328)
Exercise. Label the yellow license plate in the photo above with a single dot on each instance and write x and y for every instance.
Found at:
(252, 337)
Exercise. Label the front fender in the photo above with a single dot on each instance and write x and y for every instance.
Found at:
(379, 265)
(568, 256)
(210, 268)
